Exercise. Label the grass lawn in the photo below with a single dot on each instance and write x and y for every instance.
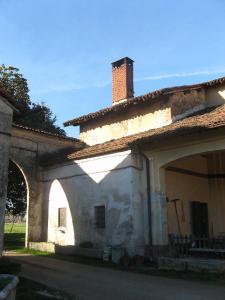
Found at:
(14, 239)
(26, 290)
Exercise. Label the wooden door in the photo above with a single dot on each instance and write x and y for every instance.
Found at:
(200, 223)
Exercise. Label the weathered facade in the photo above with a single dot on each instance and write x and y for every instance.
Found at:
(6, 112)
(27, 146)
(145, 169)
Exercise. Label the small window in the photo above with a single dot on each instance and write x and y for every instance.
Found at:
(100, 216)
(62, 217)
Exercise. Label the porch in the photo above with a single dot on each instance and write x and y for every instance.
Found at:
(195, 201)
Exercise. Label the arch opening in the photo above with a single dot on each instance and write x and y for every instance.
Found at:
(195, 194)
(16, 208)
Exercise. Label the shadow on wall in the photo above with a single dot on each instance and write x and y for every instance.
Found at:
(113, 181)
(162, 111)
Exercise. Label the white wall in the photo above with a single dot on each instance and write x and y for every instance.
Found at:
(113, 180)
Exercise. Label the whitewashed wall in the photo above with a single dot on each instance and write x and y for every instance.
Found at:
(114, 180)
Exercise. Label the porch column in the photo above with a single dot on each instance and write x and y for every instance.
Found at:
(34, 212)
(158, 208)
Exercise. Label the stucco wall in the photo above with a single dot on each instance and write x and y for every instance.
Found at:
(194, 188)
(161, 156)
(158, 113)
(26, 148)
(113, 180)
(135, 120)
(5, 132)
(187, 188)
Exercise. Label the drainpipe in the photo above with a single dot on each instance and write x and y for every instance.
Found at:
(149, 198)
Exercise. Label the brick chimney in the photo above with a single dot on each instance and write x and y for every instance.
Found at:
(122, 80)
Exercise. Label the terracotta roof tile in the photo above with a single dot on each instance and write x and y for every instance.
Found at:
(203, 121)
(50, 134)
(121, 107)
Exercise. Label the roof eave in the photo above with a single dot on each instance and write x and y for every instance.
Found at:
(141, 99)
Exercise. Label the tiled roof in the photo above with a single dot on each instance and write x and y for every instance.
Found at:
(50, 134)
(121, 107)
(205, 120)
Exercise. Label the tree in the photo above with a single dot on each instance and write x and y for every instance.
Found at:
(16, 202)
(39, 116)
(15, 85)
(35, 115)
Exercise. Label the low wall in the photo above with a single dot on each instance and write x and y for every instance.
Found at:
(9, 291)
(192, 264)
(42, 246)
(66, 250)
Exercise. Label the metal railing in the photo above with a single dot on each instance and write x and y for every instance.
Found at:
(186, 245)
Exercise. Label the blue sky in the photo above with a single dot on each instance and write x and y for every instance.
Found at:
(65, 47)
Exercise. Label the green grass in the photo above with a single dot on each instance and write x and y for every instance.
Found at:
(15, 239)
(26, 289)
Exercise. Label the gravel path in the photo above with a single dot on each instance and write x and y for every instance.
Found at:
(89, 282)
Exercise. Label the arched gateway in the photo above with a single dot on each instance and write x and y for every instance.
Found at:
(26, 147)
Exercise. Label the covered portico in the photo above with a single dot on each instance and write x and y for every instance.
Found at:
(195, 190)
(187, 182)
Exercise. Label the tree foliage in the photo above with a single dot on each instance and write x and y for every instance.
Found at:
(15, 85)
(34, 115)
(16, 202)
(39, 116)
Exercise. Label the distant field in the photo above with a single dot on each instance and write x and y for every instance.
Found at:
(14, 239)
(17, 228)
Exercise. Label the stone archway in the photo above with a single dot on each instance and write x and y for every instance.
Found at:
(27, 163)
(162, 157)
(16, 204)
(28, 146)
(197, 183)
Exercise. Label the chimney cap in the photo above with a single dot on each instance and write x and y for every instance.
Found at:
(124, 60)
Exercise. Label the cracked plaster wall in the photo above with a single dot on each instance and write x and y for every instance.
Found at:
(113, 180)
(5, 131)
(158, 113)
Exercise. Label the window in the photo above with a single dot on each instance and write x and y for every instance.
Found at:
(62, 217)
(100, 216)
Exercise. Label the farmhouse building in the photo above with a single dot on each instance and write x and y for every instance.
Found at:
(145, 169)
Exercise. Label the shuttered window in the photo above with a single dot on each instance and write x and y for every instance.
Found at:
(62, 217)
(100, 216)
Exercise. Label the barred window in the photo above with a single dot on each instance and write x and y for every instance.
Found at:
(62, 217)
(100, 216)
